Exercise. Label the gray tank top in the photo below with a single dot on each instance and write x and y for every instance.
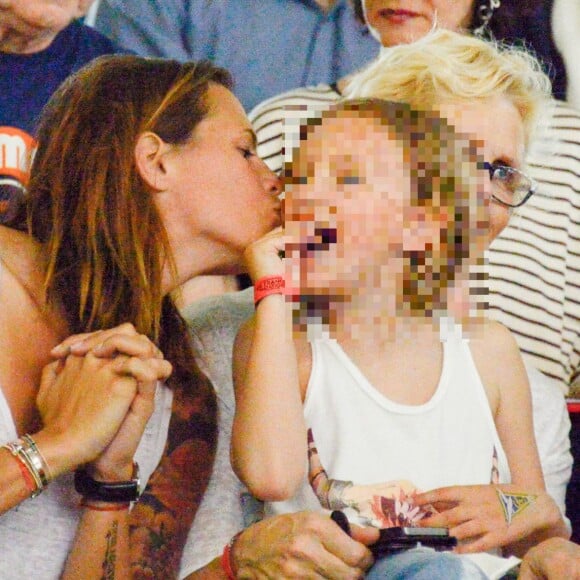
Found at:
(36, 536)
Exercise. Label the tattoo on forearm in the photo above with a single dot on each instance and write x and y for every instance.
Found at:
(160, 520)
(110, 553)
(513, 504)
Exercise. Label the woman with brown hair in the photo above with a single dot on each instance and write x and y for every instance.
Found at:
(145, 176)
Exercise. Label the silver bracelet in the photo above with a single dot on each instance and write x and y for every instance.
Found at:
(27, 453)
(38, 460)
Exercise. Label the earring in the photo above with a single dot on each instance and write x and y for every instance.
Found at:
(485, 12)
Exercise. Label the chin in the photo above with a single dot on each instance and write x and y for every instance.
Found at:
(393, 36)
(258, 234)
(230, 262)
(227, 271)
(231, 269)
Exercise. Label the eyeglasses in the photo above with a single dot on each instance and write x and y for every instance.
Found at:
(512, 187)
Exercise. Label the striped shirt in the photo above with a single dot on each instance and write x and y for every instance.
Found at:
(535, 262)
(534, 265)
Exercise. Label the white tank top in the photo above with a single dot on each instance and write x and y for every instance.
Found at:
(377, 452)
(36, 536)
(363, 437)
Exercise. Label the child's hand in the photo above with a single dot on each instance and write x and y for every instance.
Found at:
(262, 258)
(483, 517)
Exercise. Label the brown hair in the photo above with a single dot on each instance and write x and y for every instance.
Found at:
(105, 242)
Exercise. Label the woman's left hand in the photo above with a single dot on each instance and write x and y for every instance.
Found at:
(114, 461)
(483, 517)
(138, 357)
(126, 341)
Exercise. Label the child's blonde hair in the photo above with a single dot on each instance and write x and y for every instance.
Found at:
(447, 66)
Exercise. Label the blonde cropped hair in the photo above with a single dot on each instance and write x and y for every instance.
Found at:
(448, 66)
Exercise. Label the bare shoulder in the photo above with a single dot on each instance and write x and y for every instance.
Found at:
(22, 301)
(16, 243)
(494, 340)
(28, 330)
(22, 257)
(498, 361)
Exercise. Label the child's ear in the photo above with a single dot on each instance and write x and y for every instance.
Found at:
(150, 153)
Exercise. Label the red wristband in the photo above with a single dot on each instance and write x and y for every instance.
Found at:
(112, 507)
(268, 285)
(28, 479)
(227, 559)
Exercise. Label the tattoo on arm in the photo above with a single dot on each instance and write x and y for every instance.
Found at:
(160, 520)
(513, 504)
(110, 553)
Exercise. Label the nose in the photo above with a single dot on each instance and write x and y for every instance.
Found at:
(272, 182)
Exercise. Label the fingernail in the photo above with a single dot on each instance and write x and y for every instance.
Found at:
(77, 346)
(119, 364)
(60, 349)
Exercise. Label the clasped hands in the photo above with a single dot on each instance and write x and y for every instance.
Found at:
(97, 396)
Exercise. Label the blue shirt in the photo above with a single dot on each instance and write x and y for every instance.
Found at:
(27, 81)
(270, 46)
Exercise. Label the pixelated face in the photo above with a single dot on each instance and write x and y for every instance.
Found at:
(30, 25)
(358, 216)
(344, 208)
(404, 21)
